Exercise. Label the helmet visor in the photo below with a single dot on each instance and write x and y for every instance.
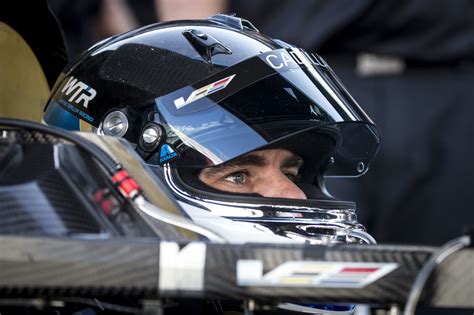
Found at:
(264, 100)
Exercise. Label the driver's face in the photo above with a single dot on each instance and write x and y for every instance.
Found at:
(270, 173)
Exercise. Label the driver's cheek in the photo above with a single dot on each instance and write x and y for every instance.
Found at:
(278, 186)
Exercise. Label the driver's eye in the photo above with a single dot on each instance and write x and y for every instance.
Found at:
(239, 177)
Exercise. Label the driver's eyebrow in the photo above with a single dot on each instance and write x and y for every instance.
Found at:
(292, 161)
(246, 160)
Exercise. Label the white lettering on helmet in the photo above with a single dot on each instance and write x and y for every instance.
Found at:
(81, 92)
(292, 58)
(286, 58)
(278, 61)
(274, 66)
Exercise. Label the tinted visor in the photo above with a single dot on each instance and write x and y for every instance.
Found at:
(268, 99)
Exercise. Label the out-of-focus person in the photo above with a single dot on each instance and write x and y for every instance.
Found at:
(167, 10)
(88, 21)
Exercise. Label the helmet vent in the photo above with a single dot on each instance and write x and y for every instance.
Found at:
(206, 45)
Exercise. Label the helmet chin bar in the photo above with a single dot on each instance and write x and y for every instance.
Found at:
(322, 233)
(304, 224)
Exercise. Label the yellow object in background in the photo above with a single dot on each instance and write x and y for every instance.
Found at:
(24, 89)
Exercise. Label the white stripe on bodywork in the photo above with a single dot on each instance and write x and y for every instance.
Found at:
(182, 269)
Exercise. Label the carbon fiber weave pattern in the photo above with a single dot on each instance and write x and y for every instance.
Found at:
(221, 282)
(124, 267)
(69, 267)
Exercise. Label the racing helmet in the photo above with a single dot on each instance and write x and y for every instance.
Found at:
(192, 94)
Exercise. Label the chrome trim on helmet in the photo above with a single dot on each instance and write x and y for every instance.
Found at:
(301, 223)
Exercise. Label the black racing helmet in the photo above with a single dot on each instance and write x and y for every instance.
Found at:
(199, 93)
(202, 92)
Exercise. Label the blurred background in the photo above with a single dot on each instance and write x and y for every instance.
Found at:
(408, 63)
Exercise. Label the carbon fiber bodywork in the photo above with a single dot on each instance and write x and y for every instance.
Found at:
(49, 187)
(67, 267)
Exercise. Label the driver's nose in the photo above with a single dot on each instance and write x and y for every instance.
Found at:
(279, 186)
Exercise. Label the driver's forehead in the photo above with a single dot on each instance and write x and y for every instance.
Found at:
(270, 155)
(279, 157)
